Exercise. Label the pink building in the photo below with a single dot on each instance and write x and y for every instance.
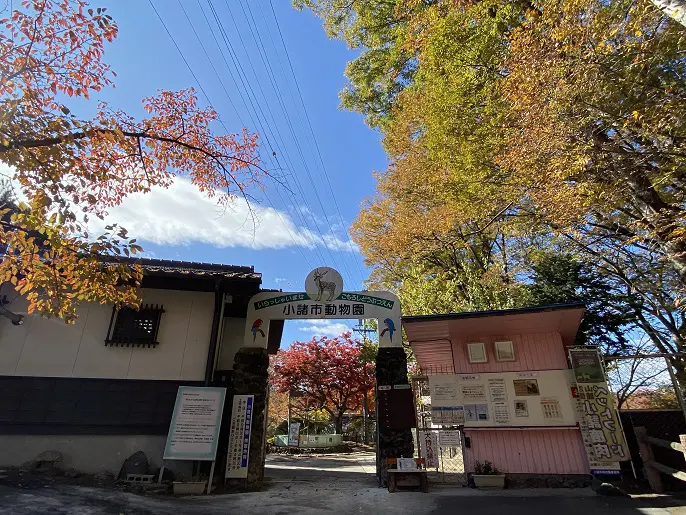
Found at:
(503, 352)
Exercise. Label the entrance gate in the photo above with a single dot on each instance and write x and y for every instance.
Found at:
(324, 298)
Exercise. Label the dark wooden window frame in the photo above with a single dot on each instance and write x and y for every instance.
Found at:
(135, 328)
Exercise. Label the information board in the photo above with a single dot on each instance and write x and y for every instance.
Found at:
(599, 422)
(195, 423)
(503, 399)
(239, 436)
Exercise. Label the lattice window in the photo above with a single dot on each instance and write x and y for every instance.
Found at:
(138, 328)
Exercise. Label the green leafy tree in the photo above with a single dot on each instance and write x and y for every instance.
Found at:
(560, 278)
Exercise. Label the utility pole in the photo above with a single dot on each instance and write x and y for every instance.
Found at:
(360, 328)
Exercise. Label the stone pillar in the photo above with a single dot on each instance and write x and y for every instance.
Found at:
(250, 377)
(391, 369)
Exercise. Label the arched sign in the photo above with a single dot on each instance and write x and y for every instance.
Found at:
(325, 298)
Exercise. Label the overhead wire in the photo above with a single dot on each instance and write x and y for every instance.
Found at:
(258, 124)
(261, 90)
(314, 139)
(265, 61)
(220, 120)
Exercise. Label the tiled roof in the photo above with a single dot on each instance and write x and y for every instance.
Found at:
(195, 269)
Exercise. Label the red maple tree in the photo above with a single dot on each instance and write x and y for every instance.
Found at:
(329, 373)
(70, 168)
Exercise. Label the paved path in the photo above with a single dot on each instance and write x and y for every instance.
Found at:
(325, 496)
(323, 484)
(356, 465)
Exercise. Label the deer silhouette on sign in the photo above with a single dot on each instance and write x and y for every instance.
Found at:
(324, 286)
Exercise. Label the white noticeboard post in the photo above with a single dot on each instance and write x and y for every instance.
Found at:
(195, 424)
(239, 437)
(294, 434)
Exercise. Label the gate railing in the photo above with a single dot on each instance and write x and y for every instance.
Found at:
(444, 461)
(653, 469)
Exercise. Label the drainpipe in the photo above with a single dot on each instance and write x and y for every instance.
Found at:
(217, 318)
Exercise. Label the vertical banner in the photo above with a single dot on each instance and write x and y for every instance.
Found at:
(239, 437)
(598, 419)
(428, 444)
(195, 423)
(294, 434)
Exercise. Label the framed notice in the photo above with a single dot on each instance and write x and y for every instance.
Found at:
(526, 387)
(504, 351)
(195, 423)
(239, 436)
(521, 409)
(477, 352)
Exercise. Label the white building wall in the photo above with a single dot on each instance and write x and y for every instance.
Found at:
(232, 340)
(48, 347)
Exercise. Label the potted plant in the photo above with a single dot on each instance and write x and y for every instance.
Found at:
(487, 476)
(195, 486)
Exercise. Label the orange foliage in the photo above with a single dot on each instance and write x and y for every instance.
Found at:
(66, 165)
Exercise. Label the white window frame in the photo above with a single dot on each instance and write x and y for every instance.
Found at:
(474, 357)
(508, 346)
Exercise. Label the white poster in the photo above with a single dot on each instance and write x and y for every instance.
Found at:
(473, 393)
(239, 437)
(501, 413)
(476, 412)
(195, 424)
(294, 434)
(497, 390)
(521, 408)
(447, 415)
(550, 406)
(428, 445)
(450, 438)
(444, 390)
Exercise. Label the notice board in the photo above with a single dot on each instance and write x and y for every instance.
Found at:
(194, 428)
(503, 399)
(239, 436)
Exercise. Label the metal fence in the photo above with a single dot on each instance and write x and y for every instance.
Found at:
(443, 450)
(441, 447)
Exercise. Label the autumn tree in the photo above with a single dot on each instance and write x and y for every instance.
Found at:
(328, 373)
(70, 169)
(529, 124)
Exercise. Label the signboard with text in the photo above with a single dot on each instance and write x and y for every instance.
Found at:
(503, 399)
(195, 424)
(239, 436)
(325, 298)
(598, 420)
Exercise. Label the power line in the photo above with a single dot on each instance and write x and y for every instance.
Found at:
(304, 160)
(222, 123)
(243, 80)
(265, 60)
(295, 79)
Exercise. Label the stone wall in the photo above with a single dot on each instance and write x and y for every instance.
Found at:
(391, 369)
(250, 377)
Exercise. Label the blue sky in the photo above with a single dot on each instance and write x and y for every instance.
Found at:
(298, 229)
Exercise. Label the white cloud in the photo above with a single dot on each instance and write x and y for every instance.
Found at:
(324, 327)
(181, 215)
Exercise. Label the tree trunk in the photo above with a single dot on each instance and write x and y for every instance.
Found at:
(364, 419)
(339, 423)
(675, 9)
